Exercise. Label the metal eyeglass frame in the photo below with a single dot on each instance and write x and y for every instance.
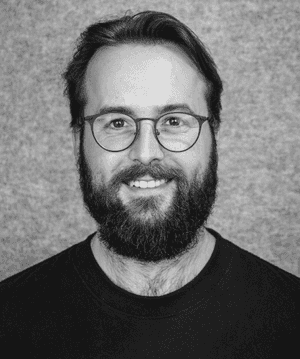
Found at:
(200, 119)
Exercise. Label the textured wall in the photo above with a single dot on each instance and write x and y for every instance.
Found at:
(256, 47)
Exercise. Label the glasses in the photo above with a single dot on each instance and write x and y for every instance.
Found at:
(176, 131)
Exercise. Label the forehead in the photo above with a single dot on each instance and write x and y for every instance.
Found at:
(143, 76)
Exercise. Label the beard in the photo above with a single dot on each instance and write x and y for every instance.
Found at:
(158, 235)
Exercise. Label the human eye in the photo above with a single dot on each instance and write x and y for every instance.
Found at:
(176, 122)
(116, 122)
(173, 121)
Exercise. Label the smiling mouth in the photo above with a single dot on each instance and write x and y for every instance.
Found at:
(147, 184)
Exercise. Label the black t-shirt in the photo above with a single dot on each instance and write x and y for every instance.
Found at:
(239, 306)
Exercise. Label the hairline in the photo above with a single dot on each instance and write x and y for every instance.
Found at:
(145, 43)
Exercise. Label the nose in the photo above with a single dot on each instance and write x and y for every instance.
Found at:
(146, 148)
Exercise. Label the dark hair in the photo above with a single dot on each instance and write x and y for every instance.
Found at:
(148, 27)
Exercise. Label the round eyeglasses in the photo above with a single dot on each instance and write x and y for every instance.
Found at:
(175, 131)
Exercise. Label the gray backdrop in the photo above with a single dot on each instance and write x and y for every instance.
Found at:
(256, 47)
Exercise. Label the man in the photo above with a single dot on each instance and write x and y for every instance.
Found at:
(153, 281)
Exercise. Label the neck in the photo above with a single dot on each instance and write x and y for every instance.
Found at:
(154, 279)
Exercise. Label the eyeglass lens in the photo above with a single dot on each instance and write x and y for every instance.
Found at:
(175, 131)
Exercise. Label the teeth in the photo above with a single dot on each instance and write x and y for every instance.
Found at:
(147, 184)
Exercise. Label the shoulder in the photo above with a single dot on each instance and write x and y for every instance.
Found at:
(264, 296)
(255, 271)
(34, 277)
(38, 294)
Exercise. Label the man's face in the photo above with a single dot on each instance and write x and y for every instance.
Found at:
(147, 224)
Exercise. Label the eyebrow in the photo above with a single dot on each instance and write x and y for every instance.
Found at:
(160, 110)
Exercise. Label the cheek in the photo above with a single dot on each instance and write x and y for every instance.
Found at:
(94, 156)
(103, 164)
(195, 161)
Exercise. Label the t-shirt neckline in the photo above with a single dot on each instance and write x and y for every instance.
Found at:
(105, 292)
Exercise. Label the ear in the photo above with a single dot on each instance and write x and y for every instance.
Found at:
(217, 136)
(76, 142)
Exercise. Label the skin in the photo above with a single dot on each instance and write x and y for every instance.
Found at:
(145, 78)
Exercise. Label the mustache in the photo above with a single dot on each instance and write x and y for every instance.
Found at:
(157, 172)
